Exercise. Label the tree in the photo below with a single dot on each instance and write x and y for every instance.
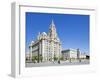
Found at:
(55, 58)
(26, 59)
(36, 58)
(40, 57)
(33, 59)
(62, 58)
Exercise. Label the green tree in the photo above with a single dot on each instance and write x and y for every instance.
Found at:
(36, 58)
(61, 58)
(40, 57)
(33, 59)
(55, 58)
(26, 59)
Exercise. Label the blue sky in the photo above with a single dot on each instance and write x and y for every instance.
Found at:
(73, 30)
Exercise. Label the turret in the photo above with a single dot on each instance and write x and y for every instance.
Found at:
(52, 31)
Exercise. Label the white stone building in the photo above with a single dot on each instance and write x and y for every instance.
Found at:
(83, 56)
(47, 45)
(71, 54)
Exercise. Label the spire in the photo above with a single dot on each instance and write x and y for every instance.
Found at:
(52, 23)
(52, 30)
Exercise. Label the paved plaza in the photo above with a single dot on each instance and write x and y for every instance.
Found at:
(57, 64)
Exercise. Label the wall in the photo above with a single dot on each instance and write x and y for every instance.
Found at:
(5, 44)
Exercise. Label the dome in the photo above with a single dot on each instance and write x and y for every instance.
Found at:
(44, 34)
(32, 42)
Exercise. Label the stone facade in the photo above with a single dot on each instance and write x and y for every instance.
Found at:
(71, 54)
(47, 45)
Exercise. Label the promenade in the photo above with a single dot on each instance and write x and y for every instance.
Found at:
(55, 63)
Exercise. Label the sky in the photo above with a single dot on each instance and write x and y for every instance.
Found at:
(72, 29)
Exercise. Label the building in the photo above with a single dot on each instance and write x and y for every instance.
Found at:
(71, 54)
(83, 56)
(47, 45)
(87, 56)
(27, 56)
